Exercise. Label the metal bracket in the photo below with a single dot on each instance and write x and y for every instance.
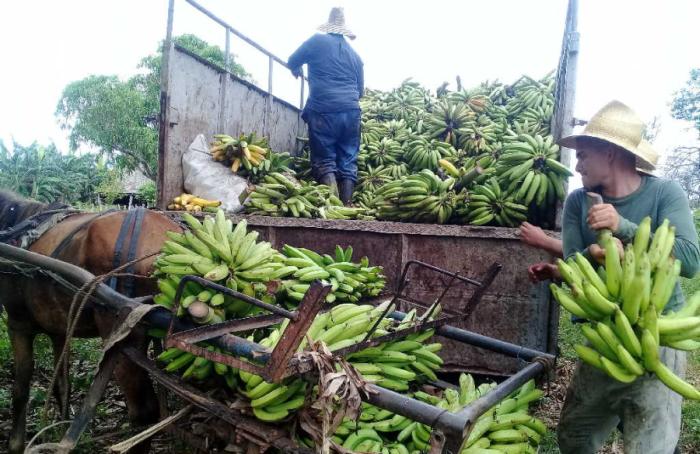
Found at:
(274, 367)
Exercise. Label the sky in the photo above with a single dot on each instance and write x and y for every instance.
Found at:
(637, 51)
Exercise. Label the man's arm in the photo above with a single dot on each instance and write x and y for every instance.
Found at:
(360, 77)
(535, 237)
(300, 57)
(571, 235)
(674, 207)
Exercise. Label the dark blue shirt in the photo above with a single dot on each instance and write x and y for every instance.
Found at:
(336, 75)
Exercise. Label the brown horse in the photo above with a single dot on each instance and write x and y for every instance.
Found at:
(40, 306)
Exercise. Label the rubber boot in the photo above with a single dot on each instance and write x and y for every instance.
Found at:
(346, 189)
(329, 180)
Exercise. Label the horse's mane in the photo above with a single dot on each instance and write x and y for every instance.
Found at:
(23, 208)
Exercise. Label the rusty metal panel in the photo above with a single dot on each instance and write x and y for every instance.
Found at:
(245, 112)
(194, 97)
(512, 309)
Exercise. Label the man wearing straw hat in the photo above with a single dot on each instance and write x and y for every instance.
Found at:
(609, 152)
(332, 112)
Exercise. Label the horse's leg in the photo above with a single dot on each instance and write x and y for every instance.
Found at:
(61, 388)
(23, 350)
(135, 383)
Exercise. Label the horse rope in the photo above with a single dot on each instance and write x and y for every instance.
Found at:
(74, 312)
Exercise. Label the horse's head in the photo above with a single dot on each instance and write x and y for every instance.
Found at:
(14, 209)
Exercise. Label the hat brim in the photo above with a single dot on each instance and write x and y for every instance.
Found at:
(572, 141)
(340, 30)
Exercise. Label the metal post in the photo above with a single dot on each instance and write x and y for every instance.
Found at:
(268, 108)
(300, 121)
(224, 83)
(161, 200)
(565, 91)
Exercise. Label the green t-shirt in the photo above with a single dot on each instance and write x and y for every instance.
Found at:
(655, 197)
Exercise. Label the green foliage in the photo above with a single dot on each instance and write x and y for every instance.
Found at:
(106, 113)
(111, 187)
(683, 163)
(147, 193)
(686, 102)
(45, 174)
(118, 118)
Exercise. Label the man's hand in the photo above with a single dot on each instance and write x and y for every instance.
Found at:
(543, 271)
(297, 72)
(598, 253)
(603, 216)
(532, 235)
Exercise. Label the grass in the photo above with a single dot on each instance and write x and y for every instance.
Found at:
(85, 354)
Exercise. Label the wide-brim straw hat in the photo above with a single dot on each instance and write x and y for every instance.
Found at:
(618, 124)
(336, 24)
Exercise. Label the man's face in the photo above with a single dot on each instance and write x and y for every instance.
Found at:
(592, 164)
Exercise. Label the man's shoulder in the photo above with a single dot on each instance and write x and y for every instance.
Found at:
(663, 185)
(576, 195)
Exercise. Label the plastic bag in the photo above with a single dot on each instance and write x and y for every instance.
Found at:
(208, 179)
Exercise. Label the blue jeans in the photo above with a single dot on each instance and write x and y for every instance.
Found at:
(334, 139)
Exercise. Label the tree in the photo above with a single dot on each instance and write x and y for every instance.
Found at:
(45, 174)
(683, 166)
(683, 163)
(686, 102)
(116, 117)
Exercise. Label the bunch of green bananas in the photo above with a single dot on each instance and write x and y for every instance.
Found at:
(278, 162)
(624, 303)
(495, 128)
(405, 101)
(342, 326)
(398, 131)
(505, 428)
(196, 367)
(280, 196)
(345, 213)
(247, 150)
(372, 131)
(480, 136)
(213, 249)
(394, 365)
(421, 197)
(272, 402)
(530, 93)
(383, 152)
(529, 169)
(449, 120)
(475, 99)
(302, 165)
(349, 281)
(488, 203)
(372, 178)
(424, 154)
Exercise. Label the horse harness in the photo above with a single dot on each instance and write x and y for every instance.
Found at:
(29, 230)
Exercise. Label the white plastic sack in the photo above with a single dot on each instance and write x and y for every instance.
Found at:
(208, 179)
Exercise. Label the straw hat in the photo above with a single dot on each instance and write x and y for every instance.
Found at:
(618, 124)
(650, 157)
(336, 24)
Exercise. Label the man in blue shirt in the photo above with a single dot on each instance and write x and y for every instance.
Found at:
(332, 112)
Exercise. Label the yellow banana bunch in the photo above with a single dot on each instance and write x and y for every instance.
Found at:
(190, 202)
(625, 308)
(247, 151)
